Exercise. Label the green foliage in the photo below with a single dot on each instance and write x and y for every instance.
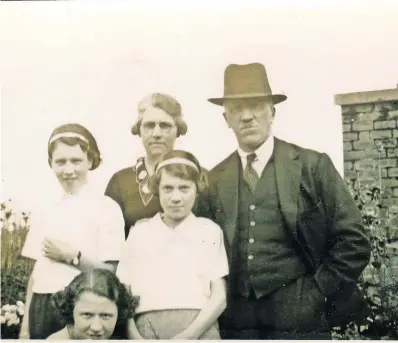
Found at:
(15, 270)
(13, 285)
(379, 281)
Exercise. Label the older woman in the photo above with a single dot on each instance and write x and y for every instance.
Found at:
(92, 304)
(80, 230)
(159, 123)
(176, 262)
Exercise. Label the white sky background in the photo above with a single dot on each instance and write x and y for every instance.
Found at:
(92, 62)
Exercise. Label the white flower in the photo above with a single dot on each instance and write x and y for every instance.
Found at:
(20, 311)
(22, 224)
(7, 316)
(6, 308)
(13, 317)
(20, 304)
(13, 308)
(13, 322)
(10, 227)
(2, 320)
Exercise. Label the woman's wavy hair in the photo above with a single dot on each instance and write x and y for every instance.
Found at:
(180, 170)
(91, 148)
(98, 281)
(166, 103)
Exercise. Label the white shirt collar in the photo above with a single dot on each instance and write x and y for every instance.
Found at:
(263, 152)
(85, 191)
(186, 223)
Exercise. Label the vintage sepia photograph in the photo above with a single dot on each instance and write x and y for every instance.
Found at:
(199, 170)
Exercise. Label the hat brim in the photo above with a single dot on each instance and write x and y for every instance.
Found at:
(276, 98)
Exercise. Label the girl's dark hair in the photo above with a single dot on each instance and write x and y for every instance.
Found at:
(91, 148)
(101, 282)
(180, 170)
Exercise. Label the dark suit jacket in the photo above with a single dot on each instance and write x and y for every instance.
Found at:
(322, 217)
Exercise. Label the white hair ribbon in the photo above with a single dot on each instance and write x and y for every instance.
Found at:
(177, 160)
(68, 135)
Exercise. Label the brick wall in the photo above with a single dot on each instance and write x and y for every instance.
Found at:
(370, 134)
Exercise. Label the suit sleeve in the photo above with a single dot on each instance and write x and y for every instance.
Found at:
(113, 190)
(348, 247)
(204, 206)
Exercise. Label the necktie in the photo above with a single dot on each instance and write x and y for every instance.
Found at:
(249, 174)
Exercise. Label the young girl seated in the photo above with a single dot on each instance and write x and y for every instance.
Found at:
(92, 305)
(175, 262)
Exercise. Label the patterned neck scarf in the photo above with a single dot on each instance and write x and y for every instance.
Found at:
(142, 177)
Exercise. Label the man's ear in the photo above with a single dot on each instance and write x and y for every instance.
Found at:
(225, 117)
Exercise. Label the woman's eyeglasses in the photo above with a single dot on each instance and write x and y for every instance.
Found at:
(149, 126)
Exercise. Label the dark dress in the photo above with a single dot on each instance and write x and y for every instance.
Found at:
(128, 187)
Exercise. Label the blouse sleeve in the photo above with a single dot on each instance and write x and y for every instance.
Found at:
(218, 262)
(33, 243)
(111, 232)
(124, 266)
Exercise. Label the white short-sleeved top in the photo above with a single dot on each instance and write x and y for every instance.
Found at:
(173, 268)
(89, 221)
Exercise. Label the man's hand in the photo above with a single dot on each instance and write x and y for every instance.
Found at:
(58, 250)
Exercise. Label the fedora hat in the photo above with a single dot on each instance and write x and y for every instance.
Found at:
(247, 81)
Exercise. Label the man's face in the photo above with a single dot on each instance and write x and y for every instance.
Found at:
(70, 165)
(158, 132)
(251, 121)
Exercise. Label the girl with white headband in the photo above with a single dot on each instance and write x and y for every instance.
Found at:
(82, 229)
(176, 262)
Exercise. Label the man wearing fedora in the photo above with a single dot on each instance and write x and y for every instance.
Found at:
(293, 232)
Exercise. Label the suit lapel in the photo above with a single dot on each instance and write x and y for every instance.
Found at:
(288, 177)
(228, 186)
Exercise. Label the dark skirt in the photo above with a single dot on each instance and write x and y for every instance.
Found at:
(44, 318)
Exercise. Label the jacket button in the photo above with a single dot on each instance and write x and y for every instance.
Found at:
(250, 257)
(252, 207)
(251, 240)
(252, 223)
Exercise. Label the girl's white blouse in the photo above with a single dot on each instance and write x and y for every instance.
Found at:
(88, 221)
(173, 268)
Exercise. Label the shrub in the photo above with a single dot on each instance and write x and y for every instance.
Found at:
(15, 270)
(379, 281)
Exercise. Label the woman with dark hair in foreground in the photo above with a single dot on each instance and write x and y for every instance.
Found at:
(92, 304)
